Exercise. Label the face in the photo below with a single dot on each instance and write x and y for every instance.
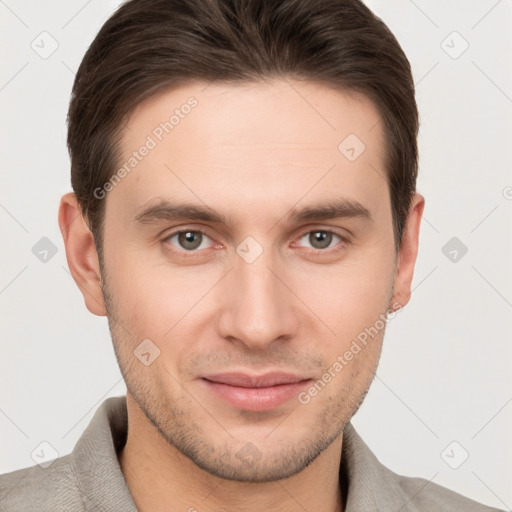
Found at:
(247, 252)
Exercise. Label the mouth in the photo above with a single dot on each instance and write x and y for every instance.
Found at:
(255, 392)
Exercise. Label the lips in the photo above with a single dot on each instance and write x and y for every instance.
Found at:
(255, 392)
(256, 381)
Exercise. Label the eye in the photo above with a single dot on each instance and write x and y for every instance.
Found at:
(320, 239)
(188, 240)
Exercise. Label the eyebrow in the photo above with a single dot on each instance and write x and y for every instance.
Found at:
(164, 210)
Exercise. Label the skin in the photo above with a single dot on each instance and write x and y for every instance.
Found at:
(253, 153)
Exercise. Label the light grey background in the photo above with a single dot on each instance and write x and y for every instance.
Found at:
(445, 372)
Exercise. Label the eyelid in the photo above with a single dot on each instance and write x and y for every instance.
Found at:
(345, 235)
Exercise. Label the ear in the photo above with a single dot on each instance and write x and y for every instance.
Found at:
(407, 255)
(81, 253)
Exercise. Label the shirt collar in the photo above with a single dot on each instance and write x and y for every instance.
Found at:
(100, 479)
(370, 485)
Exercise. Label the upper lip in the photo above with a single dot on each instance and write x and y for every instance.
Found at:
(245, 380)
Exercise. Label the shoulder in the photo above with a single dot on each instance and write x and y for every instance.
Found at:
(373, 486)
(89, 478)
(41, 489)
(425, 495)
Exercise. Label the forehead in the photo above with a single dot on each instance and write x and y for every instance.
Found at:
(258, 112)
(279, 137)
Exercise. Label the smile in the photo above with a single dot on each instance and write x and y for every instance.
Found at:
(255, 393)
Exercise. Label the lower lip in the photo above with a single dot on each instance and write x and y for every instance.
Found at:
(256, 399)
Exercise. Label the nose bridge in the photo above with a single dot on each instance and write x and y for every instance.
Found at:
(260, 309)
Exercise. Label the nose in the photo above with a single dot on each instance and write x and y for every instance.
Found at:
(258, 307)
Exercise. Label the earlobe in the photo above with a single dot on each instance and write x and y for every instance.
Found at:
(406, 259)
(81, 253)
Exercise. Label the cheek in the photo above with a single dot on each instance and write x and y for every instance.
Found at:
(352, 295)
(161, 302)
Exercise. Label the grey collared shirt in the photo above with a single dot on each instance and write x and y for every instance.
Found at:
(90, 477)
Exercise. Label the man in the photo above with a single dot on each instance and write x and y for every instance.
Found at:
(245, 214)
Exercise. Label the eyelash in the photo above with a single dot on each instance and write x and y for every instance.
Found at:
(197, 252)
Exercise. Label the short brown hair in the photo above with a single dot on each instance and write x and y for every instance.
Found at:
(149, 45)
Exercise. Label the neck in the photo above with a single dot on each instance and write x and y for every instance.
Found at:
(160, 478)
